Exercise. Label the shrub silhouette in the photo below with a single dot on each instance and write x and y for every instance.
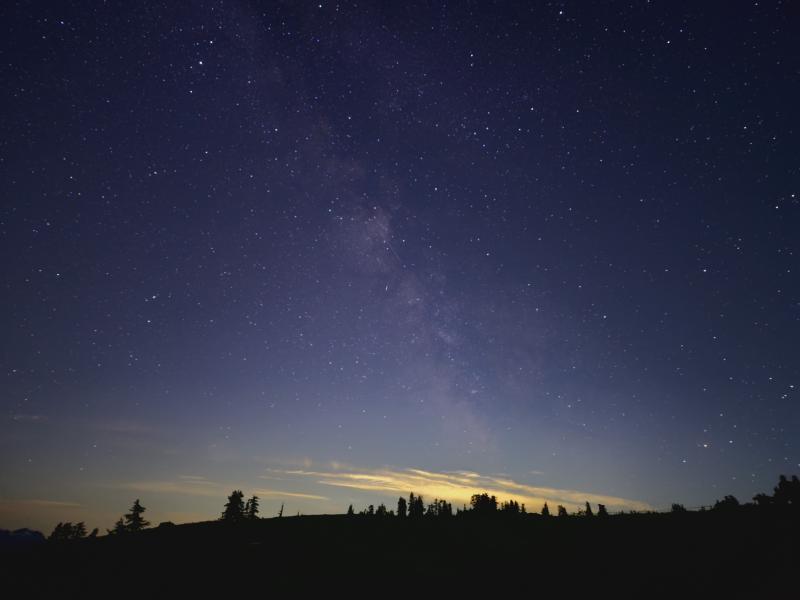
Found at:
(68, 531)
(727, 503)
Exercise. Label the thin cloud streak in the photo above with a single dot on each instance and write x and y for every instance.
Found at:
(43, 503)
(188, 485)
(459, 487)
(281, 494)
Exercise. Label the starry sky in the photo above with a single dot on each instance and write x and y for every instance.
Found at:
(331, 253)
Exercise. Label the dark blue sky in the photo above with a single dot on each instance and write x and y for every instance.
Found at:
(330, 251)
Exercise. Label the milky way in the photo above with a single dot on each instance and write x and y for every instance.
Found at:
(325, 251)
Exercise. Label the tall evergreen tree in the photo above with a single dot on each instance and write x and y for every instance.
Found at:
(416, 506)
(588, 511)
(401, 507)
(251, 508)
(234, 507)
(562, 512)
(420, 510)
(134, 520)
(545, 510)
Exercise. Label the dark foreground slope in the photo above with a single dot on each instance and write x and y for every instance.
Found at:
(745, 552)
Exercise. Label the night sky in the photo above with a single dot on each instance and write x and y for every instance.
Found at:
(332, 253)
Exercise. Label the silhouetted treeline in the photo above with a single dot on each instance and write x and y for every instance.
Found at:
(786, 495)
(736, 549)
(68, 531)
(237, 509)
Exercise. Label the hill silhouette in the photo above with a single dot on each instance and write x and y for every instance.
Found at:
(732, 548)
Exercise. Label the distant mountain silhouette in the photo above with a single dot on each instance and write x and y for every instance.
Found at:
(19, 538)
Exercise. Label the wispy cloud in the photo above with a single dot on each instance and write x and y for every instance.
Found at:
(459, 486)
(180, 487)
(42, 503)
(28, 418)
(193, 485)
(195, 479)
(39, 512)
(282, 494)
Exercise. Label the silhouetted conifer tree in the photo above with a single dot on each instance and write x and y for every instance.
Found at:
(439, 508)
(562, 512)
(601, 510)
(401, 507)
(234, 507)
(483, 503)
(545, 510)
(588, 512)
(350, 510)
(58, 532)
(119, 527)
(134, 520)
(251, 508)
(416, 507)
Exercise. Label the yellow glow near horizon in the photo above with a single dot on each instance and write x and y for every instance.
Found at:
(459, 486)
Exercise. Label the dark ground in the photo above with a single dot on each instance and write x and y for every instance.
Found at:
(747, 552)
